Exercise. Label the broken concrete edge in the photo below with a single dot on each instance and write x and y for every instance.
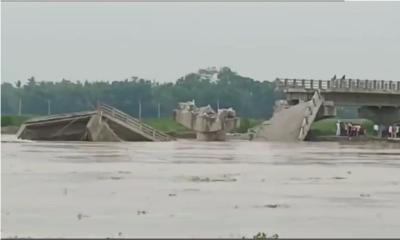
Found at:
(98, 130)
(59, 116)
(20, 130)
(290, 123)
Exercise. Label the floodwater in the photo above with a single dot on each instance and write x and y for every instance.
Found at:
(199, 189)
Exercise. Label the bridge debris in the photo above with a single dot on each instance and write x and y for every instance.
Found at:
(105, 124)
(208, 124)
(290, 122)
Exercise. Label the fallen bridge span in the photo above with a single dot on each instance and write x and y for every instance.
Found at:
(105, 124)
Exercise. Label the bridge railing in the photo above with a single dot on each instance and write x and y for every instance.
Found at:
(342, 84)
(311, 113)
(137, 124)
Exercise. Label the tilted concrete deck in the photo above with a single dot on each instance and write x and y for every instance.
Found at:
(105, 124)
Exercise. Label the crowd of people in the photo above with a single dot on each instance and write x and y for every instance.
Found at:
(349, 129)
(391, 131)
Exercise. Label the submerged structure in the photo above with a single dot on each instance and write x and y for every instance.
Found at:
(208, 124)
(105, 124)
(310, 100)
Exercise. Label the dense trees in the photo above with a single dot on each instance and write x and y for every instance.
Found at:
(250, 98)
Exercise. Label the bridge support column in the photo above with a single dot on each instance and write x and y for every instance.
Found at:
(327, 110)
(380, 115)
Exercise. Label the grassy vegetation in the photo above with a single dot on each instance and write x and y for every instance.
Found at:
(247, 123)
(13, 120)
(167, 125)
(327, 127)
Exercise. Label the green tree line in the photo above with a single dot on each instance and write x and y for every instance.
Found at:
(249, 97)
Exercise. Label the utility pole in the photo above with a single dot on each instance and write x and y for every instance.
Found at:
(217, 104)
(20, 106)
(159, 110)
(140, 109)
(48, 107)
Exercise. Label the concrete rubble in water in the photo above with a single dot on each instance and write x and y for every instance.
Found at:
(208, 124)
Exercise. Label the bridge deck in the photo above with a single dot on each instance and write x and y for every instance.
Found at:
(62, 116)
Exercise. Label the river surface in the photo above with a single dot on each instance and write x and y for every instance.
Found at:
(199, 189)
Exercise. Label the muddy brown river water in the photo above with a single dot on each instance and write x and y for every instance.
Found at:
(199, 189)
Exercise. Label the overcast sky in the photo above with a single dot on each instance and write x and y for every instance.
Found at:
(163, 41)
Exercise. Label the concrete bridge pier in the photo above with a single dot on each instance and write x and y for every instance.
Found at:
(208, 124)
(327, 110)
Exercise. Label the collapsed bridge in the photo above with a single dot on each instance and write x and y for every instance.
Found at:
(208, 124)
(105, 124)
(308, 100)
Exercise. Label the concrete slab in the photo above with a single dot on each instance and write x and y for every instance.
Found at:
(106, 124)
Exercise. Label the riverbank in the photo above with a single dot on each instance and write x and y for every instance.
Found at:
(11, 123)
(327, 127)
(9, 130)
(334, 138)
